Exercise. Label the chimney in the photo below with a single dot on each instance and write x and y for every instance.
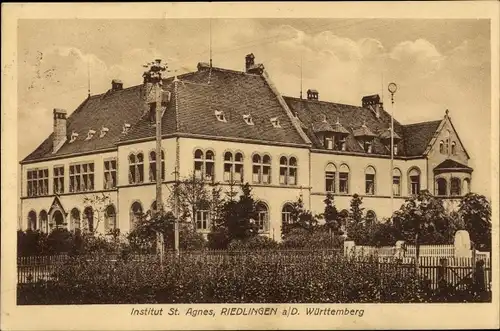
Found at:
(249, 61)
(116, 85)
(312, 94)
(59, 129)
(373, 103)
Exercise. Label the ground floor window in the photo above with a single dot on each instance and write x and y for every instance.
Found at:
(262, 217)
(202, 220)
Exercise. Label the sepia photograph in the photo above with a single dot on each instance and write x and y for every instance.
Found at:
(330, 162)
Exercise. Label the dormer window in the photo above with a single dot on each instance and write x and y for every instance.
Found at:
(328, 142)
(365, 138)
(220, 116)
(248, 119)
(126, 127)
(367, 146)
(90, 134)
(275, 122)
(74, 135)
(104, 130)
(340, 143)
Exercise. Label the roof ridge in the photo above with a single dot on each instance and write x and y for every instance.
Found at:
(420, 123)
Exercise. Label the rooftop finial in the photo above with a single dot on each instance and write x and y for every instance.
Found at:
(447, 112)
(338, 121)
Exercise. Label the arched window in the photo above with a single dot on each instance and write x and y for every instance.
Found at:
(136, 168)
(441, 147)
(136, 212)
(288, 171)
(204, 165)
(396, 182)
(88, 218)
(75, 219)
(286, 213)
(44, 221)
(455, 187)
(261, 169)
(344, 179)
(466, 187)
(57, 219)
(233, 167)
(441, 187)
(447, 143)
(32, 220)
(262, 217)
(110, 218)
(414, 181)
(330, 174)
(202, 216)
(453, 148)
(371, 217)
(152, 166)
(370, 180)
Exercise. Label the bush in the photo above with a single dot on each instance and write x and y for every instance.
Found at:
(301, 239)
(256, 243)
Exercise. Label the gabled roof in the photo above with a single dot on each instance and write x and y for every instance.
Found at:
(417, 136)
(452, 165)
(321, 126)
(195, 98)
(386, 135)
(363, 131)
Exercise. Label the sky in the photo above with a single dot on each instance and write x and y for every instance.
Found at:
(437, 64)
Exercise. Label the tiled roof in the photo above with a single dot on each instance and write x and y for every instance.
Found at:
(386, 135)
(321, 126)
(363, 131)
(191, 110)
(414, 138)
(111, 110)
(417, 136)
(449, 164)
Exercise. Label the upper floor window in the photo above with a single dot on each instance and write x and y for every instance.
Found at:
(340, 143)
(453, 148)
(455, 188)
(344, 179)
(136, 168)
(288, 171)
(370, 181)
(396, 182)
(81, 177)
(262, 217)
(58, 179)
(441, 187)
(204, 165)
(441, 147)
(261, 169)
(330, 174)
(152, 166)
(109, 174)
(38, 182)
(414, 180)
(233, 167)
(328, 141)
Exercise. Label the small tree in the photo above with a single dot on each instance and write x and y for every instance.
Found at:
(300, 218)
(331, 216)
(475, 211)
(99, 204)
(356, 212)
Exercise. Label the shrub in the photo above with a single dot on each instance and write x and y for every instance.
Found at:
(254, 243)
(299, 238)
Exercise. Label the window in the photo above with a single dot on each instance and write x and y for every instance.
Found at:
(288, 171)
(136, 168)
(340, 143)
(367, 145)
(44, 221)
(38, 182)
(330, 173)
(455, 186)
(58, 179)
(32, 220)
(233, 168)
(261, 170)
(275, 122)
(414, 181)
(262, 217)
(441, 147)
(396, 182)
(441, 187)
(109, 174)
(152, 166)
(328, 142)
(57, 219)
(466, 185)
(202, 220)
(90, 134)
(220, 116)
(135, 214)
(81, 177)
(370, 181)
(204, 165)
(344, 179)
(110, 218)
(88, 218)
(395, 150)
(453, 148)
(371, 217)
(286, 214)
(248, 119)
(75, 219)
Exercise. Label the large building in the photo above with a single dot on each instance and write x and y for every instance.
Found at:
(223, 125)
